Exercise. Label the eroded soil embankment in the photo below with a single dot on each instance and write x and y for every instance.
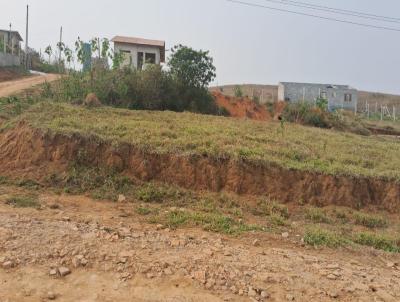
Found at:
(26, 152)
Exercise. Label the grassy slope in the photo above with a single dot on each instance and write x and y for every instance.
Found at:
(292, 146)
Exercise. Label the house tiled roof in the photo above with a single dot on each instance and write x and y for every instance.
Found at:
(143, 42)
(139, 41)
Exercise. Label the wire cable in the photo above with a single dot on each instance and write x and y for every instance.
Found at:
(335, 11)
(342, 10)
(314, 16)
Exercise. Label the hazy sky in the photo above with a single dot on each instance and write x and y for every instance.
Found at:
(249, 45)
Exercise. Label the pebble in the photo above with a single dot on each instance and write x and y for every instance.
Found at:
(51, 296)
(285, 235)
(290, 297)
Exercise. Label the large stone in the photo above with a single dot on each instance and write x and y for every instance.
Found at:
(64, 271)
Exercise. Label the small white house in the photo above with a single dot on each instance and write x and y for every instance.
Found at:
(137, 51)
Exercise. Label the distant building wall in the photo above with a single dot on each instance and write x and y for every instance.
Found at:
(131, 53)
(7, 59)
(338, 96)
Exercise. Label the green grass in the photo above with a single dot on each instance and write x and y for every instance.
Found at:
(317, 236)
(370, 221)
(297, 147)
(377, 241)
(213, 222)
(23, 202)
(317, 215)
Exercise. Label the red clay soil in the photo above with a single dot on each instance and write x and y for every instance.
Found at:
(31, 153)
(242, 107)
(9, 74)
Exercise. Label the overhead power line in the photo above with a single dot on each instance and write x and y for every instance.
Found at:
(314, 16)
(342, 10)
(336, 11)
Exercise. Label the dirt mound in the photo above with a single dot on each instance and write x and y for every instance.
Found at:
(92, 101)
(242, 107)
(26, 152)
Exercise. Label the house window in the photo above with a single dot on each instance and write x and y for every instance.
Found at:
(348, 97)
(150, 58)
(323, 95)
(126, 56)
(140, 59)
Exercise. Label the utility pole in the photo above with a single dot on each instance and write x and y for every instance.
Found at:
(26, 38)
(59, 48)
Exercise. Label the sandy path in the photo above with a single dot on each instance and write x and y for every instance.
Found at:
(13, 87)
(114, 257)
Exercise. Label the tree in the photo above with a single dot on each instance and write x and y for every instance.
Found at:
(192, 68)
(48, 50)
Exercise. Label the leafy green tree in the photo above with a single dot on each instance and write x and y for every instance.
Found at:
(191, 67)
(238, 91)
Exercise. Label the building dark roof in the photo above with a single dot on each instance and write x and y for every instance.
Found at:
(13, 32)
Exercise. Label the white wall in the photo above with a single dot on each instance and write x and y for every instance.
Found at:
(134, 49)
(7, 59)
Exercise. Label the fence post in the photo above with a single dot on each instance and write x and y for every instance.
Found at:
(394, 113)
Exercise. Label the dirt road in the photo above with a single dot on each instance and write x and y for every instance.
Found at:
(13, 87)
(105, 253)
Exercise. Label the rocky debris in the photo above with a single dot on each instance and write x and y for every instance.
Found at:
(256, 242)
(121, 198)
(8, 264)
(51, 296)
(79, 260)
(290, 297)
(285, 235)
(64, 271)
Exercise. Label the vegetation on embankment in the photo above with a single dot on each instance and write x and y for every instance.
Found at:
(289, 146)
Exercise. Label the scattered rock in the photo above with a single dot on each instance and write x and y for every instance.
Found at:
(264, 294)
(200, 276)
(252, 292)
(53, 272)
(333, 295)
(64, 271)
(285, 235)
(290, 297)
(51, 296)
(8, 264)
(256, 242)
(121, 198)
(331, 277)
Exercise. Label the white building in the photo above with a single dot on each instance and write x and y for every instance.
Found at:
(137, 51)
(10, 48)
(337, 96)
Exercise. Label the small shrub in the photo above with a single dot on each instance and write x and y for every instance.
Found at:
(317, 216)
(277, 220)
(143, 211)
(318, 236)
(238, 91)
(268, 208)
(379, 242)
(23, 202)
(370, 221)
(157, 193)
